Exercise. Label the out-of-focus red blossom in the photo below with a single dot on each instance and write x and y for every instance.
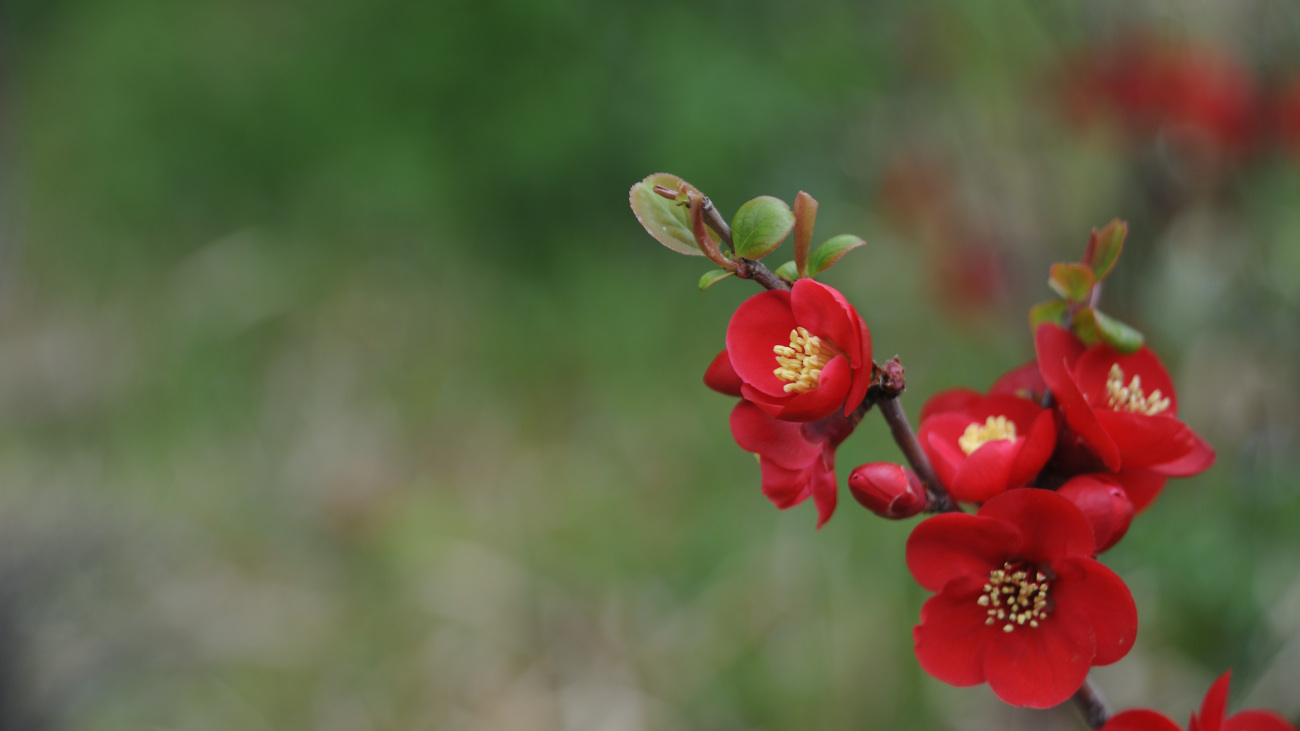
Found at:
(1104, 503)
(1203, 100)
(797, 459)
(800, 355)
(1213, 716)
(1123, 410)
(888, 490)
(1021, 603)
(970, 275)
(981, 446)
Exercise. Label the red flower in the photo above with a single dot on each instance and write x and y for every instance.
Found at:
(1021, 603)
(1104, 503)
(1211, 718)
(888, 490)
(801, 354)
(981, 446)
(797, 459)
(1202, 100)
(1122, 407)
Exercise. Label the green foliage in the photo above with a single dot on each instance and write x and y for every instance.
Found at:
(825, 256)
(709, 278)
(666, 220)
(760, 225)
(1104, 248)
(1071, 281)
(1051, 311)
(1092, 326)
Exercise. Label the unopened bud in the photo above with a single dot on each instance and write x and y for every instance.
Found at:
(1104, 503)
(888, 490)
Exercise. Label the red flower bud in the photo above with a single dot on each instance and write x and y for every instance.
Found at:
(887, 490)
(1104, 503)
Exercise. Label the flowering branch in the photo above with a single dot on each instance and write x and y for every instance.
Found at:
(891, 385)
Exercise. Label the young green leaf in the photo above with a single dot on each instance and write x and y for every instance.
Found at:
(831, 251)
(1052, 311)
(1097, 326)
(1104, 248)
(760, 226)
(1071, 281)
(713, 275)
(787, 271)
(663, 219)
(805, 213)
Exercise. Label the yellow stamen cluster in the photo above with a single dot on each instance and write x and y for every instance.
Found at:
(1131, 397)
(801, 362)
(1014, 598)
(993, 428)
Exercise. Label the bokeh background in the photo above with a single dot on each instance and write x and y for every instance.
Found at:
(340, 389)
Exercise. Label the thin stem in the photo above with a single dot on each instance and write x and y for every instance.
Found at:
(745, 268)
(939, 501)
(714, 219)
(1093, 707)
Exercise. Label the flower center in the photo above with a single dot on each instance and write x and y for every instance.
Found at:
(1131, 397)
(1015, 595)
(801, 362)
(993, 428)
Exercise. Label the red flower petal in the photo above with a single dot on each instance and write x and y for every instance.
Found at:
(1035, 449)
(1042, 666)
(1051, 526)
(938, 437)
(1024, 381)
(954, 545)
(1145, 441)
(824, 490)
(758, 324)
(785, 487)
(954, 399)
(721, 377)
(829, 316)
(1256, 721)
(862, 367)
(1197, 460)
(812, 405)
(1106, 601)
(1215, 705)
(1140, 720)
(952, 637)
(986, 473)
(781, 442)
(1057, 349)
(1093, 370)
(1141, 486)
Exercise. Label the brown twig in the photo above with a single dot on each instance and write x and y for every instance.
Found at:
(889, 385)
(1091, 705)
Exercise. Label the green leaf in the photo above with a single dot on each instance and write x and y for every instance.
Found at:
(1052, 311)
(760, 226)
(665, 220)
(805, 213)
(788, 271)
(1093, 326)
(713, 275)
(831, 251)
(1071, 281)
(1104, 248)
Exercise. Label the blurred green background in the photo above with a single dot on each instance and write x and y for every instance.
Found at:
(340, 389)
